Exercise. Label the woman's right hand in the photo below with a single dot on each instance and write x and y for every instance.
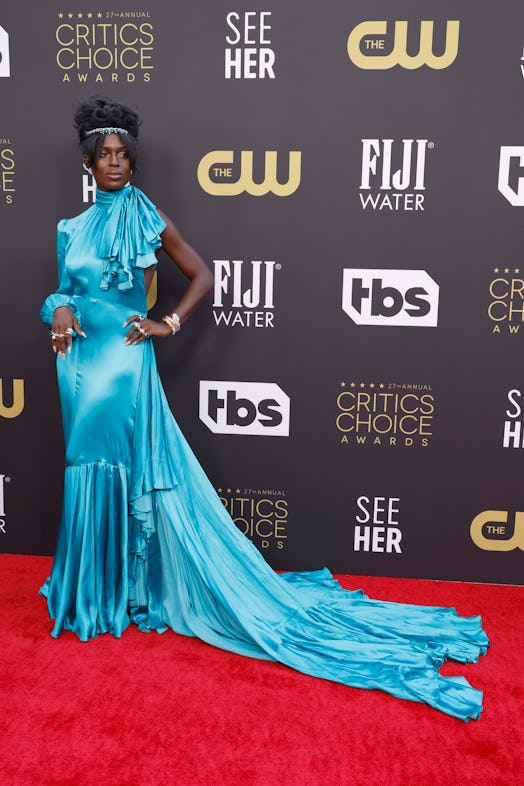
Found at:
(64, 322)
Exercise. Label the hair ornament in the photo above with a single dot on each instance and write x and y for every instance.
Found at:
(107, 130)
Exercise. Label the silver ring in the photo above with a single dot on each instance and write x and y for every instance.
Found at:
(70, 331)
(137, 325)
(141, 330)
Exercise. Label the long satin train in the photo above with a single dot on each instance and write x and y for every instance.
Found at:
(173, 557)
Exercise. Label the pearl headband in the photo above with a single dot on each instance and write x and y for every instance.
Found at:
(108, 130)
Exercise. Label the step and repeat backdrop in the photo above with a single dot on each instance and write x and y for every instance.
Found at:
(353, 173)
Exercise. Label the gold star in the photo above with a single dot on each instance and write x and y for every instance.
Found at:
(372, 385)
(352, 385)
(90, 15)
(60, 15)
(495, 270)
(229, 491)
(219, 491)
(381, 385)
(238, 491)
(362, 384)
(517, 270)
(99, 15)
(70, 15)
(506, 270)
(80, 14)
(342, 384)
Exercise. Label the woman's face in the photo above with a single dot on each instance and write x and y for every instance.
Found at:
(112, 167)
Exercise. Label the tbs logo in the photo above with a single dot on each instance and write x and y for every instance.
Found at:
(390, 297)
(258, 408)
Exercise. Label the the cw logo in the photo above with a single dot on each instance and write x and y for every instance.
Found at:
(215, 162)
(18, 400)
(372, 57)
(494, 523)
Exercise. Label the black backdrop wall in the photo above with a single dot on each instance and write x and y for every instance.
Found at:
(353, 173)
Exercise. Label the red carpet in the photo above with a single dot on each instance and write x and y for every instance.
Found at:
(149, 710)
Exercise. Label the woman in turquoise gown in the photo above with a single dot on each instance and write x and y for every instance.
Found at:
(143, 535)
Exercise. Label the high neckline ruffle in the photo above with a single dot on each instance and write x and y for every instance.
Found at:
(128, 229)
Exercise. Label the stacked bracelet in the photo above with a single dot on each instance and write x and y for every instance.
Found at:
(173, 320)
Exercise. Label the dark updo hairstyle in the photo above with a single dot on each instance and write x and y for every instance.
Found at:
(102, 112)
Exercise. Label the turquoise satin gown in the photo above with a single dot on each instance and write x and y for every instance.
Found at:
(145, 538)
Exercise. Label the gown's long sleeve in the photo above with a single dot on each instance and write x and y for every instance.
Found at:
(64, 294)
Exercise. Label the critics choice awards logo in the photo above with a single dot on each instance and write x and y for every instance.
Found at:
(248, 54)
(4, 481)
(393, 174)
(383, 45)
(255, 408)
(226, 173)
(104, 47)
(261, 514)
(377, 525)
(12, 402)
(5, 67)
(243, 293)
(498, 530)
(7, 170)
(505, 300)
(385, 414)
(406, 298)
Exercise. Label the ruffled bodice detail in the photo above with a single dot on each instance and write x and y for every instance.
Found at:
(128, 227)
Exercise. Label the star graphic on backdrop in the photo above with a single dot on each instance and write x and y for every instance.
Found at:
(80, 15)
(99, 15)
(342, 384)
(70, 16)
(381, 385)
(238, 491)
(60, 15)
(362, 384)
(506, 270)
(371, 384)
(517, 270)
(352, 385)
(495, 270)
(90, 15)
(229, 491)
